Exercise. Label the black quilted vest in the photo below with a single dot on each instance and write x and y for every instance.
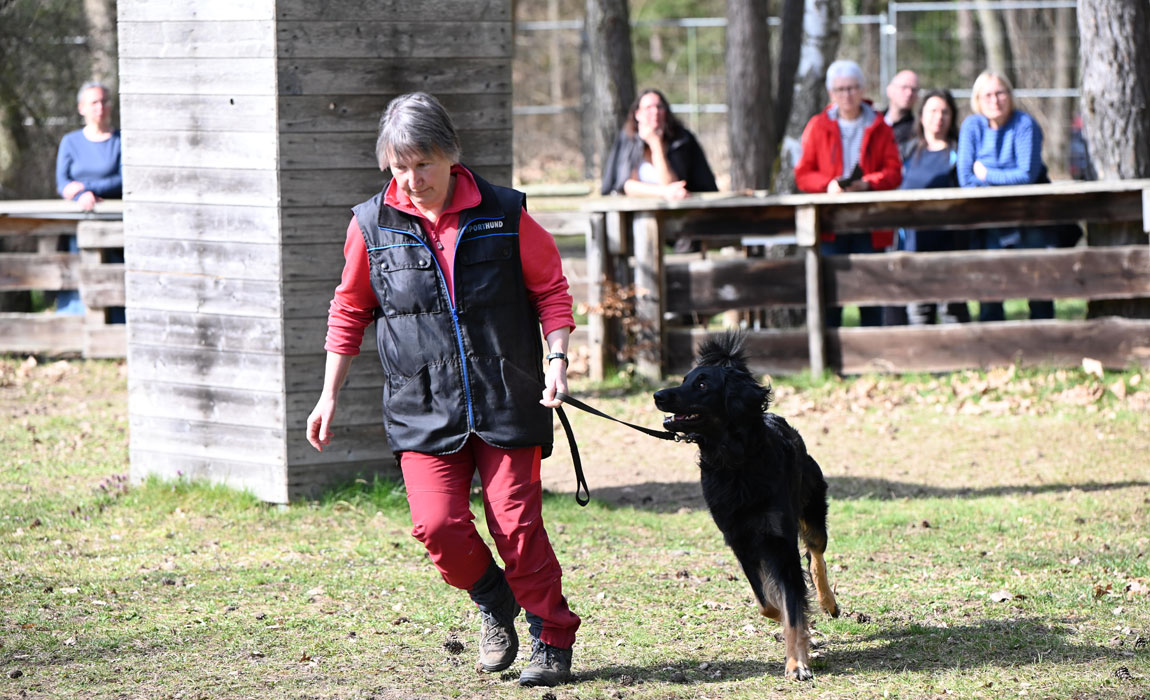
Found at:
(453, 370)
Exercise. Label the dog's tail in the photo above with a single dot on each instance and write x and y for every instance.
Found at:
(724, 350)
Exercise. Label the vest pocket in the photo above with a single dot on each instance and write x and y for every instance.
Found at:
(406, 280)
(488, 272)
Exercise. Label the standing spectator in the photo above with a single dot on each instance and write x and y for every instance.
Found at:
(902, 96)
(1000, 145)
(849, 148)
(931, 162)
(88, 171)
(457, 278)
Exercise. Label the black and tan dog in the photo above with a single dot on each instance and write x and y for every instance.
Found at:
(763, 490)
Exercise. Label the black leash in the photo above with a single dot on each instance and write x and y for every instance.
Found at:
(582, 492)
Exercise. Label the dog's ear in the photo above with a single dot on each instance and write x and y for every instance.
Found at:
(744, 396)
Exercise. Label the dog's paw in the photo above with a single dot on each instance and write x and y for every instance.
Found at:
(797, 671)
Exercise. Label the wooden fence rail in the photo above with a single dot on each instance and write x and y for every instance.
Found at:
(627, 239)
(100, 283)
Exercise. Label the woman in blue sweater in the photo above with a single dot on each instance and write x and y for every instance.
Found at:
(999, 145)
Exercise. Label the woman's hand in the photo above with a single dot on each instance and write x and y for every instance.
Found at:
(555, 381)
(979, 170)
(87, 201)
(72, 189)
(833, 187)
(675, 191)
(319, 423)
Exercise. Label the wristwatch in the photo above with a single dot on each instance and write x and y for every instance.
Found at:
(557, 356)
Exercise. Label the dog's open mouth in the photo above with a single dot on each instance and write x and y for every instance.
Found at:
(682, 422)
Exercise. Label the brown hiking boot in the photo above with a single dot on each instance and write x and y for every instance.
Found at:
(498, 641)
(550, 666)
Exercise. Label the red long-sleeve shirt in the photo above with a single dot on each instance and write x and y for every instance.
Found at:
(353, 307)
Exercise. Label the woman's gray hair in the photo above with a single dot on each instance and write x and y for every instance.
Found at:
(843, 68)
(414, 125)
(88, 86)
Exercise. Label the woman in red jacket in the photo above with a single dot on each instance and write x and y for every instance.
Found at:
(849, 148)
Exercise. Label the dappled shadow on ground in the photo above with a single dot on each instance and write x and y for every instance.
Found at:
(683, 496)
(849, 487)
(910, 647)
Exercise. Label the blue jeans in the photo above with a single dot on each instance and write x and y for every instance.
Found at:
(1022, 238)
(851, 245)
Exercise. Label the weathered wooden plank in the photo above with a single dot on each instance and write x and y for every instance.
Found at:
(202, 10)
(320, 261)
(1115, 342)
(254, 38)
(22, 226)
(328, 113)
(233, 113)
(265, 480)
(327, 225)
(357, 406)
(49, 271)
(41, 334)
(211, 150)
(713, 286)
(354, 76)
(203, 294)
(350, 443)
(364, 39)
(102, 286)
(105, 341)
(251, 261)
(200, 186)
(560, 223)
(400, 10)
(100, 234)
(248, 407)
(314, 151)
(768, 351)
(202, 222)
(199, 330)
(198, 76)
(304, 372)
(984, 211)
(1092, 273)
(200, 367)
(649, 296)
(309, 298)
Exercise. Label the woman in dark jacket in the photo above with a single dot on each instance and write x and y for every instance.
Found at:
(655, 155)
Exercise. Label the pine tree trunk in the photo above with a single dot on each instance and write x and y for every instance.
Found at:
(1115, 77)
(611, 69)
(749, 95)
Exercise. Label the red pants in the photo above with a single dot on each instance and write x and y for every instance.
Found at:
(438, 489)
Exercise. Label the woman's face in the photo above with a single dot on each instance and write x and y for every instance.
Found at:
(936, 118)
(425, 178)
(846, 94)
(95, 107)
(651, 113)
(994, 101)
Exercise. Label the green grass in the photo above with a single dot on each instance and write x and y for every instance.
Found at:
(184, 590)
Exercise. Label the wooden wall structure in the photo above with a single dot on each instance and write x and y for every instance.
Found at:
(249, 130)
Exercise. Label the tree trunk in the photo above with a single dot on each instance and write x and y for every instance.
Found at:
(821, 34)
(968, 48)
(994, 39)
(749, 95)
(1115, 78)
(870, 49)
(101, 16)
(790, 51)
(611, 69)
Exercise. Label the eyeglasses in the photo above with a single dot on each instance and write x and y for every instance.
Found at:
(844, 89)
(997, 95)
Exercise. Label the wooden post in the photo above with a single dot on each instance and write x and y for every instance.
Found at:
(649, 294)
(249, 130)
(598, 274)
(807, 236)
(1146, 211)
